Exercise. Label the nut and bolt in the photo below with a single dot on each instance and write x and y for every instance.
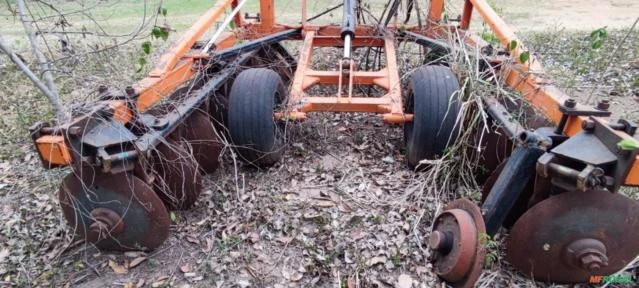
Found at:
(592, 262)
(588, 254)
(603, 105)
(570, 103)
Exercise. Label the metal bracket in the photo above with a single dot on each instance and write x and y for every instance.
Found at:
(590, 159)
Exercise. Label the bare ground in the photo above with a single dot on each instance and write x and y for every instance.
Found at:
(341, 208)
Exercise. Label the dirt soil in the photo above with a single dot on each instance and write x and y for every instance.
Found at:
(341, 209)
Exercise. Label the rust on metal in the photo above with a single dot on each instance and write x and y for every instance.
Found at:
(569, 237)
(453, 241)
(456, 240)
(114, 212)
(200, 135)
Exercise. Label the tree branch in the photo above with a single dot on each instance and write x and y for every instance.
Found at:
(51, 92)
(53, 98)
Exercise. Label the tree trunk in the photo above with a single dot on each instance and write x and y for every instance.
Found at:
(53, 98)
(52, 93)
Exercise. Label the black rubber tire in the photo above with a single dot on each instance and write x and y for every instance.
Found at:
(433, 99)
(252, 102)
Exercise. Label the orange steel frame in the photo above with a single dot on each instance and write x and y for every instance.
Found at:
(389, 105)
(181, 63)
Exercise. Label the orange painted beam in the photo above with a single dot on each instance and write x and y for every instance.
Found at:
(171, 58)
(336, 41)
(394, 83)
(267, 13)
(345, 104)
(314, 77)
(306, 54)
(523, 77)
(152, 89)
(435, 14)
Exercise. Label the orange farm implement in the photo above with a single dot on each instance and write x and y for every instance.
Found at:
(139, 153)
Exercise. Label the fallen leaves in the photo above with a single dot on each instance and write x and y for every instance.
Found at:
(186, 268)
(285, 239)
(376, 260)
(118, 268)
(137, 261)
(138, 258)
(404, 281)
(4, 253)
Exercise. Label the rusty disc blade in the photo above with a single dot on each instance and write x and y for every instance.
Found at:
(569, 237)
(206, 147)
(114, 212)
(177, 179)
(458, 255)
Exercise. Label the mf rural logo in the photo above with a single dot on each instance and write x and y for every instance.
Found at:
(619, 279)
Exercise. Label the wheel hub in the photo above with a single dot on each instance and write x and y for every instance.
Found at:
(454, 244)
(106, 223)
(588, 254)
(458, 255)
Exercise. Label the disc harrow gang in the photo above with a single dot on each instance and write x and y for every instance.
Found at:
(205, 144)
(177, 179)
(114, 212)
(554, 179)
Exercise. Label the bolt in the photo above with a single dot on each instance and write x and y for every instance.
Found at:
(588, 125)
(440, 241)
(591, 262)
(570, 103)
(102, 89)
(603, 105)
(129, 91)
(74, 130)
(587, 254)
